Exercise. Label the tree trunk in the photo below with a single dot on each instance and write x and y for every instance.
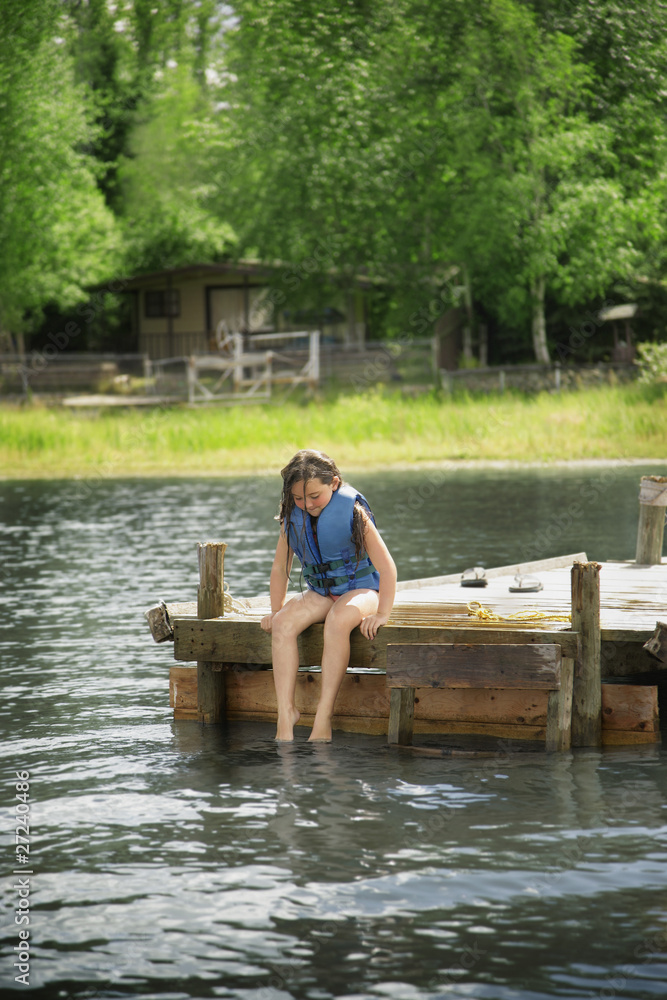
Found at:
(5, 341)
(470, 316)
(539, 323)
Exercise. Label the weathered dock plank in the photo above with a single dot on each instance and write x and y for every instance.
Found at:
(475, 666)
(630, 708)
(629, 712)
(511, 570)
(238, 641)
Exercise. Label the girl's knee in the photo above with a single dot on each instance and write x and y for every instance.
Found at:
(341, 621)
(284, 625)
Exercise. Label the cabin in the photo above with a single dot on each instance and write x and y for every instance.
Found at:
(182, 311)
(623, 349)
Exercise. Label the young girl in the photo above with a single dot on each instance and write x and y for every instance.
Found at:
(350, 578)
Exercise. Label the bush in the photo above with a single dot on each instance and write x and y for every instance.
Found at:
(652, 361)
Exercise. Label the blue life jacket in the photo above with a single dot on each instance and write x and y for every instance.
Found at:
(329, 562)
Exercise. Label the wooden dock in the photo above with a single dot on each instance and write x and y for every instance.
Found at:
(585, 681)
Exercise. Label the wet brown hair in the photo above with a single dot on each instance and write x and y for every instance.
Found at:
(309, 464)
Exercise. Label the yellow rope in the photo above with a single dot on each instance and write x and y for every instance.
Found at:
(416, 614)
(480, 613)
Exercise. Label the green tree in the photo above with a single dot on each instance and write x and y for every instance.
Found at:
(56, 234)
(311, 158)
(165, 180)
(537, 202)
(429, 138)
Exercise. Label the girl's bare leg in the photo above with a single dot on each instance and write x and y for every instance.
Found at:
(347, 612)
(287, 625)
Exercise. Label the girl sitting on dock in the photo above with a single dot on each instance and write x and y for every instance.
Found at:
(349, 573)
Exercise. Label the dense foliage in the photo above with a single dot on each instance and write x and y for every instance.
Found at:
(505, 156)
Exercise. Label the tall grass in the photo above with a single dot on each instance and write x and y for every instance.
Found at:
(376, 430)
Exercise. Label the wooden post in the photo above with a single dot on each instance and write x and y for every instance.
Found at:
(559, 710)
(211, 604)
(401, 716)
(587, 685)
(651, 528)
(192, 379)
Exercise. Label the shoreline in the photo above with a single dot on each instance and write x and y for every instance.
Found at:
(454, 465)
(609, 427)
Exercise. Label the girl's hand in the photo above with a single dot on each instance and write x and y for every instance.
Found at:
(267, 622)
(370, 625)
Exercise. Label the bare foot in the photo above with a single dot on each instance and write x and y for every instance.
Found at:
(321, 732)
(285, 728)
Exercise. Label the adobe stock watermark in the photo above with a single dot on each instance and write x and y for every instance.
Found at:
(39, 359)
(582, 332)
(324, 254)
(83, 488)
(453, 975)
(261, 139)
(283, 974)
(562, 522)
(416, 496)
(443, 299)
(650, 948)
(377, 368)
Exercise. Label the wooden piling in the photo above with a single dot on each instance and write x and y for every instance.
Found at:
(211, 604)
(587, 684)
(401, 716)
(651, 527)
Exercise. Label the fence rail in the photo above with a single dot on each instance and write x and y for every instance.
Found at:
(248, 368)
(244, 373)
(535, 377)
(58, 371)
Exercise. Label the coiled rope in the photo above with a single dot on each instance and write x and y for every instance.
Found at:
(477, 611)
(234, 605)
(426, 613)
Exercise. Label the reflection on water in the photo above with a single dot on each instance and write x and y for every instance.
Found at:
(172, 860)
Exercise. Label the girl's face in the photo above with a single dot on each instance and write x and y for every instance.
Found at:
(314, 495)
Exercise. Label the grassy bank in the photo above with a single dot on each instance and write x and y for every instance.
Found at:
(374, 431)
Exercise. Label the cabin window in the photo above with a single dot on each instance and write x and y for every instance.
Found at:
(166, 302)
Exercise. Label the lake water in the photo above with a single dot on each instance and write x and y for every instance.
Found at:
(171, 861)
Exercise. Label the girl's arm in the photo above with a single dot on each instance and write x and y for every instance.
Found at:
(279, 579)
(380, 556)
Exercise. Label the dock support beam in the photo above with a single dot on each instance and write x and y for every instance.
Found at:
(401, 716)
(587, 686)
(651, 528)
(211, 604)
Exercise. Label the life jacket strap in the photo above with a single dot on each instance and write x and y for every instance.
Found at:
(324, 567)
(316, 573)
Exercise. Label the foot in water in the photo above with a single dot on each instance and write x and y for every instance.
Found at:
(321, 732)
(285, 728)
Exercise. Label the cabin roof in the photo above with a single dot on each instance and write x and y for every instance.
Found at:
(192, 271)
(260, 270)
